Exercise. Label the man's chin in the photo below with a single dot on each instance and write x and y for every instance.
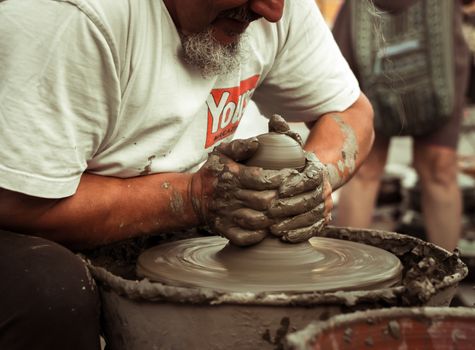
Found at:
(214, 54)
(226, 39)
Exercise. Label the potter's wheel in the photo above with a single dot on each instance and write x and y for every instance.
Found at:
(320, 264)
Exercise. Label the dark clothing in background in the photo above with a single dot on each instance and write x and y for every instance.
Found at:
(448, 134)
(393, 6)
(48, 300)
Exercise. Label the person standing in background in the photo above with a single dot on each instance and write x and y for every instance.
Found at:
(411, 59)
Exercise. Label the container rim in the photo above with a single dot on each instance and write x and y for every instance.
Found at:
(398, 244)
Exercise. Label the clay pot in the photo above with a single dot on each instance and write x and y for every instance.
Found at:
(429, 328)
(141, 315)
(277, 151)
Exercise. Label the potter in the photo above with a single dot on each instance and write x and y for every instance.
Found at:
(112, 150)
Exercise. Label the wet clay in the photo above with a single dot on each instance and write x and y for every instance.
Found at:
(299, 211)
(295, 215)
(280, 191)
(236, 187)
(277, 151)
(349, 154)
(318, 265)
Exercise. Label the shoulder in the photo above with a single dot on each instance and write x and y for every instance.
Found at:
(297, 10)
(301, 20)
(103, 13)
(52, 13)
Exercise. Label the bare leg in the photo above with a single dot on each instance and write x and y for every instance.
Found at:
(357, 198)
(441, 200)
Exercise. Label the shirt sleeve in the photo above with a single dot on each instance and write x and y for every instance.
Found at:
(309, 76)
(59, 95)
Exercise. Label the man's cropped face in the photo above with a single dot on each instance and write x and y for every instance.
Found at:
(227, 19)
(212, 30)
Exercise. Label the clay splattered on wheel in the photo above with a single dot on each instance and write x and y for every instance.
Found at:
(321, 264)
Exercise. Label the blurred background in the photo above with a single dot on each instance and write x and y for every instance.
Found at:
(398, 206)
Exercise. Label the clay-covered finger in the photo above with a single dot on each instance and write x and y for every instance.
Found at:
(305, 233)
(296, 205)
(225, 206)
(258, 200)
(249, 177)
(296, 136)
(309, 178)
(251, 219)
(236, 235)
(305, 181)
(255, 178)
(279, 125)
(240, 149)
(303, 220)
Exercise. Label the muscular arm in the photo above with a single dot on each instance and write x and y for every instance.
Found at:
(342, 140)
(103, 210)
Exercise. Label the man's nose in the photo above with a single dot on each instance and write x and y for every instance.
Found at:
(271, 10)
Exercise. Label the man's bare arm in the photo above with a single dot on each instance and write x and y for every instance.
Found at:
(106, 209)
(342, 140)
(103, 210)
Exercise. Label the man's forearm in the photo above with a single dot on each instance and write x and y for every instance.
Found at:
(342, 140)
(104, 210)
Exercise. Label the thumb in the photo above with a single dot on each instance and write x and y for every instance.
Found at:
(279, 125)
(239, 150)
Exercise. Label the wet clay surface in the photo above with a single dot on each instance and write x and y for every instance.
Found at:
(318, 265)
(349, 154)
(277, 151)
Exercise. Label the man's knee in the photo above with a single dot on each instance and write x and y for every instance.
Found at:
(369, 173)
(47, 295)
(438, 166)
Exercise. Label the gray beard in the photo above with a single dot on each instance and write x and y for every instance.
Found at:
(210, 57)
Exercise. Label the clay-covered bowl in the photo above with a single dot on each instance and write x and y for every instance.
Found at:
(139, 314)
(277, 151)
(429, 328)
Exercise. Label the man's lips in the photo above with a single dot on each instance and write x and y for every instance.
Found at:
(243, 14)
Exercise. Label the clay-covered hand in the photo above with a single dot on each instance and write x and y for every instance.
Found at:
(304, 203)
(232, 198)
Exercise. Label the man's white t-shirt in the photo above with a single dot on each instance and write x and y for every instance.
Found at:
(100, 86)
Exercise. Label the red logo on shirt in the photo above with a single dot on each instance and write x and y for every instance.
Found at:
(225, 109)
